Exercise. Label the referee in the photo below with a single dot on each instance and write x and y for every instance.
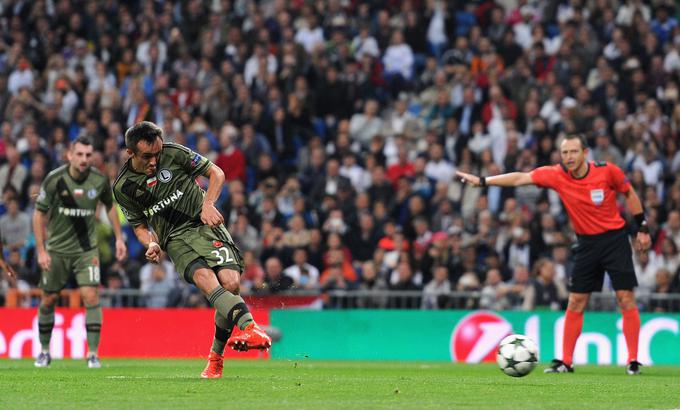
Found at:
(588, 191)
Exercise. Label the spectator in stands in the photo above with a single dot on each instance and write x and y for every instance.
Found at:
(305, 275)
(372, 288)
(15, 226)
(664, 286)
(491, 292)
(363, 127)
(436, 292)
(517, 289)
(158, 289)
(275, 280)
(646, 265)
(546, 292)
(12, 172)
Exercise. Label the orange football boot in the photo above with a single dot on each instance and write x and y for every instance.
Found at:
(213, 370)
(252, 337)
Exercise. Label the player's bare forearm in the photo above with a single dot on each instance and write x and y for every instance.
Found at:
(510, 179)
(4, 265)
(144, 235)
(209, 214)
(39, 223)
(121, 249)
(216, 180)
(112, 214)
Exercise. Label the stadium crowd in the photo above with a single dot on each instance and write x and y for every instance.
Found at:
(339, 125)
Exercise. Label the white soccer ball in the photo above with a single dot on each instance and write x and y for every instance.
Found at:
(517, 355)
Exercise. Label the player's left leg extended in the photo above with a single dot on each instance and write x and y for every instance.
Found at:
(631, 327)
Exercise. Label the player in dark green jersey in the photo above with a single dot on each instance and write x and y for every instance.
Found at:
(158, 194)
(67, 206)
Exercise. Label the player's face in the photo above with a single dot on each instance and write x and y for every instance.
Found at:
(80, 156)
(147, 155)
(573, 154)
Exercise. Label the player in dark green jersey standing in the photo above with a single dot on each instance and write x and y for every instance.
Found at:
(67, 206)
(158, 193)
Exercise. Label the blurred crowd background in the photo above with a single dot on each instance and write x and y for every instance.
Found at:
(339, 125)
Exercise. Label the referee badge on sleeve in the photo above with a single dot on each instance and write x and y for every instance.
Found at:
(597, 196)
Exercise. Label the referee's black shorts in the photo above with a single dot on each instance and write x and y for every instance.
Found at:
(596, 254)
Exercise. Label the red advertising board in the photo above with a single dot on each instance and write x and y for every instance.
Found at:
(133, 333)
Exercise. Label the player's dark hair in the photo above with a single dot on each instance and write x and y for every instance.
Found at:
(580, 137)
(142, 131)
(81, 140)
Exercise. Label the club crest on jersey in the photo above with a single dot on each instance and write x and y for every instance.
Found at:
(217, 244)
(92, 193)
(165, 175)
(78, 192)
(597, 196)
(151, 182)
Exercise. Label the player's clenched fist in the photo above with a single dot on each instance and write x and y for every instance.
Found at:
(153, 254)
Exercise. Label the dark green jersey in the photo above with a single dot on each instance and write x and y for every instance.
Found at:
(71, 206)
(170, 201)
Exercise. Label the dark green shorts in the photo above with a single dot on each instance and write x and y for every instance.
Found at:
(203, 247)
(84, 266)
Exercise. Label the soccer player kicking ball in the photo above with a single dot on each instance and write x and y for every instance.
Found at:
(67, 205)
(157, 190)
(588, 191)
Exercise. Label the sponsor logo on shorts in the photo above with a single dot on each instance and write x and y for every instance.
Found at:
(165, 175)
(217, 244)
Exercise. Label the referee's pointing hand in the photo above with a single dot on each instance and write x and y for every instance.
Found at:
(466, 178)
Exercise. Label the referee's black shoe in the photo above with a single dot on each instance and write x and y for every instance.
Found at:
(558, 366)
(633, 368)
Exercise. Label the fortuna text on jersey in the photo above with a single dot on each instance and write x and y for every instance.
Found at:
(163, 203)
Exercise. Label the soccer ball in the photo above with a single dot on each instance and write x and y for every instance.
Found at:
(517, 355)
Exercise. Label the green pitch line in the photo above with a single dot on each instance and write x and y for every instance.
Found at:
(306, 384)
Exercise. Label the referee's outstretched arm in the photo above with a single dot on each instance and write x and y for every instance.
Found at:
(509, 179)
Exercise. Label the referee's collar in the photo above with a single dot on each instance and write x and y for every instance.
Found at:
(572, 176)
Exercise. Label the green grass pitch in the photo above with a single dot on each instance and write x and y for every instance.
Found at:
(308, 384)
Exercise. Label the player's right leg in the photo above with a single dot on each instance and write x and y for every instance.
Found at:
(213, 369)
(48, 301)
(52, 282)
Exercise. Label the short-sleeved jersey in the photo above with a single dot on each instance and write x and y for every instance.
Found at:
(71, 206)
(170, 201)
(591, 200)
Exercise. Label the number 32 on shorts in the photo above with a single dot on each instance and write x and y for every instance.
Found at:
(223, 255)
